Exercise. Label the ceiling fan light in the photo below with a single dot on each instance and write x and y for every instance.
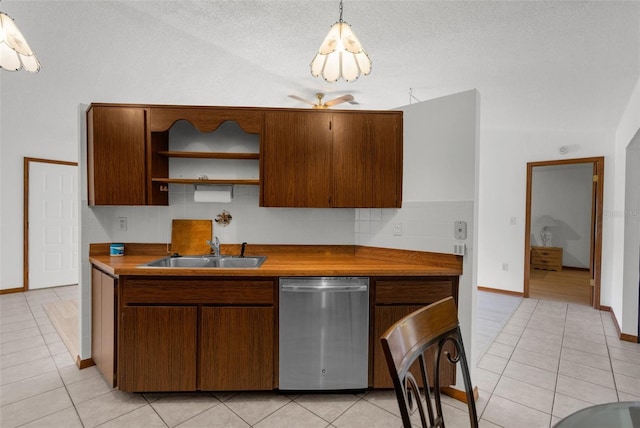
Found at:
(364, 63)
(350, 68)
(9, 59)
(318, 64)
(340, 55)
(348, 39)
(30, 63)
(332, 70)
(330, 43)
(14, 49)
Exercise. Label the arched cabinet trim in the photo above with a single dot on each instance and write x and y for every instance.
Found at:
(206, 119)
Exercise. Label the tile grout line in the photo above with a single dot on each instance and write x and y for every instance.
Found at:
(555, 389)
(64, 384)
(480, 416)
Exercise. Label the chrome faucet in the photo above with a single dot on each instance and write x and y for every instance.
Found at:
(215, 246)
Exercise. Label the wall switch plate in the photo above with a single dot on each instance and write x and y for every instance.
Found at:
(397, 229)
(505, 267)
(122, 224)
(459, 248)
(460, 230)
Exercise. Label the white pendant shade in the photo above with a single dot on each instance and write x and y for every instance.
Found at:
(15, 52)
(340, 56)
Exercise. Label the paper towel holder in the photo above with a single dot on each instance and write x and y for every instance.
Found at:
(214, 187)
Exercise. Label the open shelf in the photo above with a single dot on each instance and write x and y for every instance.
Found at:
(208, 155)
(245, 181)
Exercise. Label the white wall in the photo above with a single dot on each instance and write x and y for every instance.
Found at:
(630, 280)
(564, 193)
(439, 162)
(440, 177)
(624, 301)
(504, 154)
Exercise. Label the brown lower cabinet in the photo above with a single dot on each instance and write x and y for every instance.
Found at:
(157, 348)
(103, 327)
(236, 348)
(220, 334)
(196, 334)
(395, 298)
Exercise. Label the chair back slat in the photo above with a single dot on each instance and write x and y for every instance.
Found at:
(406, 341)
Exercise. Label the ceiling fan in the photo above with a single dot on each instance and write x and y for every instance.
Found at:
(320, 105)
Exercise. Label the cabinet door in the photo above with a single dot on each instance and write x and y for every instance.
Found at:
(96, 318)
(157, 348)
(103, 323)
(116, 147)
(236, 348)
(384, 317)
(296, 159)
(367, 155)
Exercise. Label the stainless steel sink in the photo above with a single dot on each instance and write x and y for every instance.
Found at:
(194, 262)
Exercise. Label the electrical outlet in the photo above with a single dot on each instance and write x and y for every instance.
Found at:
(459, 248)
(512, 221)
(122, 224)
(397, 229)
(505, 266)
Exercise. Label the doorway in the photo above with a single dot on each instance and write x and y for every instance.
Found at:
(50, 224)
(570, 262)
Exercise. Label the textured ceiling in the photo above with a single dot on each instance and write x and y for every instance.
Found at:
(536, 64)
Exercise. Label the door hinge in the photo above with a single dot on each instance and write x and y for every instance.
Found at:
(592, 282)
(595, 178)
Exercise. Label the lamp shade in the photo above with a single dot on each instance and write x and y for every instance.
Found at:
(340, 56)
(545, 221)
(15, 52)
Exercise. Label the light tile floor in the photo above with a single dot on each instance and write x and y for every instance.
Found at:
(538, 361)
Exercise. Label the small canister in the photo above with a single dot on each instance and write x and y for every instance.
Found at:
(116, 250)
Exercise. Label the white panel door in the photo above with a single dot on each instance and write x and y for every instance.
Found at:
(53, 225)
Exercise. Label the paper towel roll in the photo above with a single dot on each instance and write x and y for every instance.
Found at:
(212, 195)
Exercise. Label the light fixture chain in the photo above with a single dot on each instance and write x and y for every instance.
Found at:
(341, 11)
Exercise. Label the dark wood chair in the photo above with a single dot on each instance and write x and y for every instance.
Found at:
(408, 341)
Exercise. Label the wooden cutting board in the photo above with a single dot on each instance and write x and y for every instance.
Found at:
(189, 237)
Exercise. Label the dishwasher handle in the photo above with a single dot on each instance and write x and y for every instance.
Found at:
(291, 288)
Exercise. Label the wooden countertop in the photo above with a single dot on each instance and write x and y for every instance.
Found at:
(288, 260)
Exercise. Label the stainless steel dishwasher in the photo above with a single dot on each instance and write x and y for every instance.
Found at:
(324, 333)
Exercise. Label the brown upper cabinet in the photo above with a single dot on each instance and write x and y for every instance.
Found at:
(332, 159)
(307, 158)
(116, 151)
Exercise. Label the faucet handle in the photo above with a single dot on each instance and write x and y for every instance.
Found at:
(215, 246)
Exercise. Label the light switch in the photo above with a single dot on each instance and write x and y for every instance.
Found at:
(460, 230)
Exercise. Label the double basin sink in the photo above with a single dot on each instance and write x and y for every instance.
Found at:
(208, 261)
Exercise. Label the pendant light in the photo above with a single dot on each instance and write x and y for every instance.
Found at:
(15, 52)
(341, 55)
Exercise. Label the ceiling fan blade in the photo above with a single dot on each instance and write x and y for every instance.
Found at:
(340, 100)
(295, 97)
